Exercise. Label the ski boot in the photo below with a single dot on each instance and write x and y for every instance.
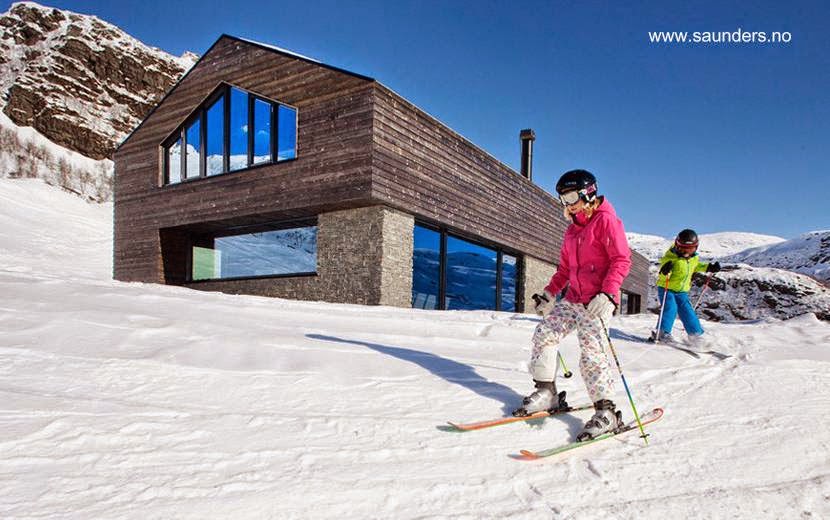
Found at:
(665, 337)
(606, 419)
(544, 398)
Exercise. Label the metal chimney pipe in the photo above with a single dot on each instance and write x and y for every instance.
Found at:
(527, 137)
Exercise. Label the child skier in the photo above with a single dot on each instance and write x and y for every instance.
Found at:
(594, 261)
(677, 266)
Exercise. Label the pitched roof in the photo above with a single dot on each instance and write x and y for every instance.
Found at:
(271, 48)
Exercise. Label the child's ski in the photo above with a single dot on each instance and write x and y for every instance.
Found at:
(648, 418)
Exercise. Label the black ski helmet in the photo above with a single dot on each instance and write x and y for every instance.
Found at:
(581, 181)
(687, 237)
(686, 243)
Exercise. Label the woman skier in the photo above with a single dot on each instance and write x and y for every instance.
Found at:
(593, 262)
(677, 266)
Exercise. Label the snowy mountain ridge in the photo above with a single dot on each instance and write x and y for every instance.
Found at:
(81, 85)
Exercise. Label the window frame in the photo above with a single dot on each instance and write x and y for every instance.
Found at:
(500, 251)
(200, 114)
(195, 238)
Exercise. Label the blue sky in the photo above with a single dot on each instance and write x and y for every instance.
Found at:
(717, 137)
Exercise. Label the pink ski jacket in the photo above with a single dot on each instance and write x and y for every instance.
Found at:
(595, 257)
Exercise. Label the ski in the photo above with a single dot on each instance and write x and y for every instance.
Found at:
(648, 418)
(618, 334)
(468, 427)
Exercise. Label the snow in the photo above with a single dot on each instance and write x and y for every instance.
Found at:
(712, 245)
(808, 253)
(131, 400)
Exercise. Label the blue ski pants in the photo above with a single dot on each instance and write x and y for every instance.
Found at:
(678, 303)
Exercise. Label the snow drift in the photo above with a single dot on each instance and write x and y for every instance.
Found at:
(127, 400)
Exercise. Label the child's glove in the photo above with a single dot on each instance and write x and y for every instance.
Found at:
(713, 267)
(666, 269)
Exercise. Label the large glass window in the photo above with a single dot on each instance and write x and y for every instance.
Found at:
(471, 276)
(287, 139)
(239, 129)
(174, 162)
(452, 273)
(234, 130)
(426, 268)
(193, 139)
(215, 132)
(509, 275)
(262, 131)
(263, 253)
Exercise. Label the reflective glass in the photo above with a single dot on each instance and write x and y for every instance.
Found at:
(239, 130)
(194, 138)
(278, 252)
(287, 138)
(471, 276)
(174, 162)
(262, 131)
(215, 126)
(426, 268)
(508, 283)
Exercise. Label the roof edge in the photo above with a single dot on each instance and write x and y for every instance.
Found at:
(223, 36)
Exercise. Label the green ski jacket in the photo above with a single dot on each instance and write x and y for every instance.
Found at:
(680, 277)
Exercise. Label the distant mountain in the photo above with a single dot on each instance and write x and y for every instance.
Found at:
(774, 284)
(808, 254)
(81, 84)
(712, 245)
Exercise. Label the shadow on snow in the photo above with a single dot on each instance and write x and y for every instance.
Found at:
(447, 369)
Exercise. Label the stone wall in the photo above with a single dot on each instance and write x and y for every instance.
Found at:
(536, 276)
(398, 230)
(364, 256)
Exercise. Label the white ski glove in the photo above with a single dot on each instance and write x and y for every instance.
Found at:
(544, 303)
(601, 306)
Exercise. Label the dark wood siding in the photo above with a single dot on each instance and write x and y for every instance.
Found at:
(358, 144)
(332, 169)
(422, 167)
(637, 280)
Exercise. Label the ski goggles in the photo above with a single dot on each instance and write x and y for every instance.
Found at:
(687, 249)
(569, 198)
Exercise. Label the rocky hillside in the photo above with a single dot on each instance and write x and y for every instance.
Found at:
(78, 81)
(768, 288)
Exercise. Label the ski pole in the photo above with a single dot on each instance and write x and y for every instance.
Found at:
(662, 308)
(643, 434)
(568, 373)
(705, 285)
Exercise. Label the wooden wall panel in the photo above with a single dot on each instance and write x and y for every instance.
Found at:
(332, 170)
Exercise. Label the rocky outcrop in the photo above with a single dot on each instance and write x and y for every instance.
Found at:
(81, 82)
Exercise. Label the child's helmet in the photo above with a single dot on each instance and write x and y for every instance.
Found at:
(686, 241)
(582, 182)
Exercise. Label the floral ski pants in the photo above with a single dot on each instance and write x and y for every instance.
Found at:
(593, 361)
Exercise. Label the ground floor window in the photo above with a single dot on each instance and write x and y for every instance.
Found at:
(629, 303)
(449, 272)
(265, 251)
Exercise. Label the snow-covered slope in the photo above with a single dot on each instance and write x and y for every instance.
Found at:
(808, 254)
(712, 245)
(128, 400)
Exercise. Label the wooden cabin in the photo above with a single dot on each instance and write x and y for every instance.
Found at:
(268, 173)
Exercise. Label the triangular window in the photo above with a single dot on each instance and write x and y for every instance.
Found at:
(232, 130)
